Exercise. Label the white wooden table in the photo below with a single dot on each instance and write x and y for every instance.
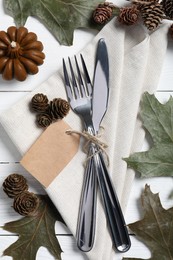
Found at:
(11, 92)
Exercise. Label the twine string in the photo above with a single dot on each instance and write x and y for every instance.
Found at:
(91, 139)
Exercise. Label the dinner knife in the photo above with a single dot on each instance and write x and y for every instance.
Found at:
(114, 215)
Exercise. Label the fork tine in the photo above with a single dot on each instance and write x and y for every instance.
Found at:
(74, 83)
(81, 84)
(67, 82)
(88, 81)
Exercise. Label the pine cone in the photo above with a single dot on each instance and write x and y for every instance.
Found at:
(103, 12)
(26, 204)
(14, 184)
(152, 14)
(39, 102)
(44, 119)
(128, 15)
(168, 8)
(58, 108)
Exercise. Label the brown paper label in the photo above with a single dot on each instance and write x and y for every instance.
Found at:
(52, 151)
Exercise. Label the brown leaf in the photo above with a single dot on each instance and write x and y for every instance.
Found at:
(34, 232)
(156, 228)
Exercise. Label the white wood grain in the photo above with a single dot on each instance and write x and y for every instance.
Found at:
(11, 92)
(70, 251)
(67, 243)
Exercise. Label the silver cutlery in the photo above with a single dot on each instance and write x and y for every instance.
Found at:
(79, 96)
(115, 218)
(91, 107)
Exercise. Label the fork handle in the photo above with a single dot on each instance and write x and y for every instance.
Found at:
(114, 215)
(85, 232)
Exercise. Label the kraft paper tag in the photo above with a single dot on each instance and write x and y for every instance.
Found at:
(52, 151)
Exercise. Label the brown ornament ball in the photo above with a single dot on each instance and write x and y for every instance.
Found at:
(20, 53)
(14, 184)
(39, 103)
(26, 204)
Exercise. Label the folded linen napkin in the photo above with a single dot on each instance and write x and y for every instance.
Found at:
(136, 60)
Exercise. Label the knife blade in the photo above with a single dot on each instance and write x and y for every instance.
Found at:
(101, 86)
(113, 212)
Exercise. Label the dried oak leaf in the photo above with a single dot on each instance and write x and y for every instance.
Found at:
(158, 121)
(34, 232)
(60, 17)
(155, 229)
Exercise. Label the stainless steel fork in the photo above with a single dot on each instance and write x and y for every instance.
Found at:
(79, 95)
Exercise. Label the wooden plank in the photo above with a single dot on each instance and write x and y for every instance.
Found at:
(71, 252)
(137, 250)
(67, 243)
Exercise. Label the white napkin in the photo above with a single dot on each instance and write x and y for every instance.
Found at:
(136, 60)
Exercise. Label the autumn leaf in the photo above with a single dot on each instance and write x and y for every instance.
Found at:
(34, 232)
(158, 121)
(60, 17)
(156, 227)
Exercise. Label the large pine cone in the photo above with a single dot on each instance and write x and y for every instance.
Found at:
(39, 103)
(168, 8)
(103, 12)
(14, 184)
(128, 15)
(26, 204)
(58, 108)
(152, 14)
(20, 53)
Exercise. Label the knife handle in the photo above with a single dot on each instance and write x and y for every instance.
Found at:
(85, 232)
(114, 215)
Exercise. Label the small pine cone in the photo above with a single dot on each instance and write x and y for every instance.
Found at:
(128, 15)
(59, 108)
(44, 119)
(14, 184)
(152, 14)
(168, 8)
(103, 12)
(39, 103)
(26, 204)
